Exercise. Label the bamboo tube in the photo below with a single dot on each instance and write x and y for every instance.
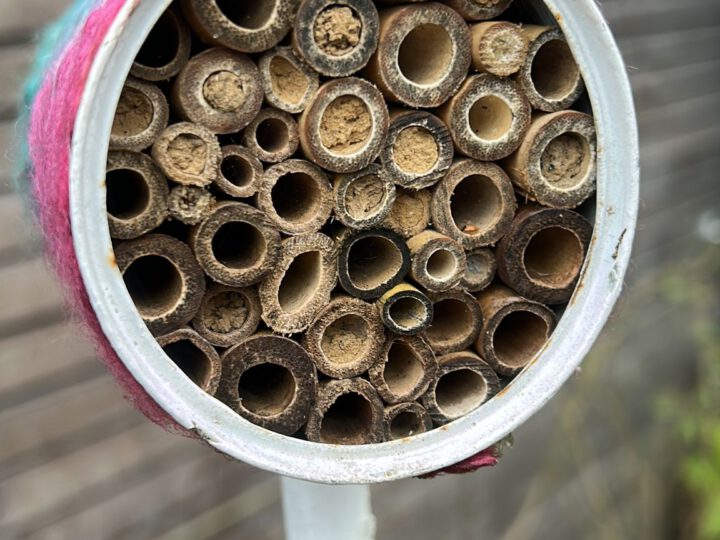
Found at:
(165, 50)
(347, 411)
(371, 262)
(136, 194)
(556, 163)
(464, 383)
(481, 267)
(487, 117)
(236, 245)
(219, 89)
(418, 149)
(296, 196)
(474, 203)
(194, 356)
(457, 321)
(269, 380)
(498, 47)
(543, 252)
(343, 127)
(478, 10)
(514, 329)
(288, 83)
(362, 200)
(190, 204)
(405, 310)
(550, 77)
(410, 213)
(405, 420)
(227, 315)
(188, 154)
(141, 115)
(438, 261)
(406, 368)
(243, 26)
(272, 135)
(336, 37)
(163, 279)
(300, 284)
(346, 338)
(240, 172)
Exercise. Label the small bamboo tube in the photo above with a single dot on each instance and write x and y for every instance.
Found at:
(227, 315)
(474, 203)
(236, 245)
(163, 279)
(556, 162)
(406, 368)
(346, 338)
(136, 194)
(514, 330)
(219, 89)
(300, 284)
(438, 261)
(240, 172)
(487, 117)
(343, 127)
(423, 54)
(194, 356)
(165, 50)
(405, 420)
(405, 310)
(243, 26)
(481, 268)
(288, 83)
(188, 154)
(550, 77)
(478, 10)
(362, 200)
(336, 37)
(410, 213)
(464, 382)
(296, 196)
(457, 321)
(347, 411)
(141, 115)
(272, 135)
(269, 380)
(543, 252)
(190, 204)
(498, 47)
(418, 149)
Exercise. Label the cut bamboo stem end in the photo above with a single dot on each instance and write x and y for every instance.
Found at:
(371, 262)
(464, 383)
(556, 162)
(343, 127)
(348, 411)
(438, 261)
(406, 368)
(219, 89)
(269, 380)
(550, 77)
(287, 82)
(165, 50)
(405, 420)
(410, 213)
(300, 284)
(543, 252)
(336, 37)
(515, 329)
(296, 196)
(362, 200)
(141, 115)
(418, 149)
(188, 154)
(194, 356)
(457, 321)
(227, 315)
(346, 338)
(498, 47)
(481, 268)
(474, 204)
(479, 10)
(240, 172)
(136, 194)
(163, 279)
(190, 204)
(236, 244)
(405, 310)
(423, 54)
(487, 117)
(272, 135)
(243, 26)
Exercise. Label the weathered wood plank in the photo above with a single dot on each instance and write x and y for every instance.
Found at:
(15, 62)
(19, 239)
(21, 20)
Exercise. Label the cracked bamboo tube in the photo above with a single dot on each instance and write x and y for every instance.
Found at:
(481, 268)
(187, 153)
(240, 172)
(166, 49)
(457, 321)
(272, 135)
(405, 310)
(437, 261)
(141, 115)
(498, 47)
(405, 420)
(227, 315)
(363, 199)
(190, 204)
(194, 356)
(410, 213)
(287, 81)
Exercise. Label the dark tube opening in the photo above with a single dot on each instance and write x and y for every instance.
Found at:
(154, 283)
(403, 370)
(300, 282)
(295, 197)
(266, 389)
(347, 421)
(459, 392)
(237, 170)
(128, 195)
(248, 14)
(238, 245)
(161, 45)
(191, 360)
(518, 337)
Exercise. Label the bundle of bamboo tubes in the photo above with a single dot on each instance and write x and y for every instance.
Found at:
(314, 205)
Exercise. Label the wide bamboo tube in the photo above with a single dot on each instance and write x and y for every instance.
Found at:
(194, 356)
(288, 82)
(141, 115)
(405, 420)
(166, 49)
(405, 310)
(457, 321)
(228, 315)
(187, 153)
